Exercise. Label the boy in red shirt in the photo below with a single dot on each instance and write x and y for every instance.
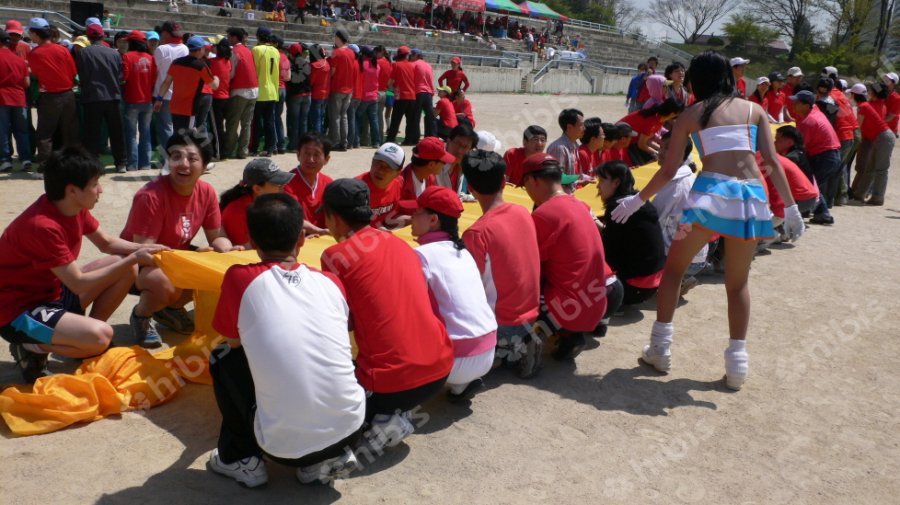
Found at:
(428, 159)
(402, 361)
(43, 292)
(534, 140)
(385, 186)
(573, 280)
(403, 82)
(187, 75)
(589, 151)
(504, 244)
(308, 184)
(170, 210)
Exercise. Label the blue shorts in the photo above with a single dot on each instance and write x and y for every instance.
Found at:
(36, 326)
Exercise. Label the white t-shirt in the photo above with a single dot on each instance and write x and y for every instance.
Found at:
(165, 54)
(293, 327)
(455, 282)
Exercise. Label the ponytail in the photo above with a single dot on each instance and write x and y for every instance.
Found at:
(230, 195)
(450, 225)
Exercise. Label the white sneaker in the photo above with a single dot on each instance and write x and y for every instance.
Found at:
(737, 364)
(662, 362)
(388, 431)
(250, 472)
(330, 469)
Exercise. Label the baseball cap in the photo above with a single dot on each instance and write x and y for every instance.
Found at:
(535, 163)
(762, 80)
(403, 50)
(38, 24)
(440, 199)
(625, 129)
(13, 26)
(81, 41)
(342, 34)
(456, 59)
(445, 89)
(295, 49)
(487, 141)
(804, 96)
(263, 32)
(94, 32)
(432, 149)
(392, 154)
(137, 35)
(151, 35)
(738, 61)
(794, 72)
(215, 39)
(890, 76)
(843, 83)
(262, 170)
(859, 89)
(829, 70)
(348, 197)
(195, 42)
(92, 21)
(776, 76)
(354, 48)
(416, 51)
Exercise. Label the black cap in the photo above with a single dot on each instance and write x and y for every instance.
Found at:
(342, 34)
(776, 76)
(804, 96)
(262, 170)
(348, 198)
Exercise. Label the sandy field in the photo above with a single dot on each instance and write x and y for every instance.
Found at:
(816, 422)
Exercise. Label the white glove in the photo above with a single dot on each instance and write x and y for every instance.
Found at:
(793, 223)
(628, 206)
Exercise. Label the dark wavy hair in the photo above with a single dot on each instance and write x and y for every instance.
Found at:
(616, 170)
(712, 81)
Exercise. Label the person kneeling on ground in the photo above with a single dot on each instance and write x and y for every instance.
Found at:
(285, 325)
(402, 361)
(43, 293)
(170, 210)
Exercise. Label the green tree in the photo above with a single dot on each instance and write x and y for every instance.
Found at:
(745, 31)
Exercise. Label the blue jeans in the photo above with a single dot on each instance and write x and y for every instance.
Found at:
(352, 126)
(279, 123)
(164, 128)
(137, 123)
(368, 111)
(14, 120)
(317, 113)
(297, 119)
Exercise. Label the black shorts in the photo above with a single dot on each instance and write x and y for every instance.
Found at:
(36, 325)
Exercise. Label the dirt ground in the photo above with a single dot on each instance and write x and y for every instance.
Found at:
(815, 423)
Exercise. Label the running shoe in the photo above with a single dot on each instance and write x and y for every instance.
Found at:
(388, 431)
(145, 334)
(249, 472)
(330, 469)
(33, 365)
(176, 319)
(662, 362)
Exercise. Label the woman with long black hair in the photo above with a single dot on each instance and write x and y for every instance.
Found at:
(647, 123)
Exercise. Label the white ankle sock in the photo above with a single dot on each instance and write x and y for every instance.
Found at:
(661, 335)
(35, 348)
(737, 362)
(737, 345)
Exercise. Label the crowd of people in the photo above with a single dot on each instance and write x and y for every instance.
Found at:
(493, 295)
(143, 86)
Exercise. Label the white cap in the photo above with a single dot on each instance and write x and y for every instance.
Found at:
(859, 89)
(829, 70)
(794, 72)
(762, 80)
(392, 154)
(738, 61)
(890, 76)
(488, 142)
(843, 83)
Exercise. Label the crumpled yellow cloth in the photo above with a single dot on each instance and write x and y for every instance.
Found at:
(121, 379)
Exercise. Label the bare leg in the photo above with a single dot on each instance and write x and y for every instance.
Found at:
(737, 271)
(157, 292)
(105, 298)
(78, 336)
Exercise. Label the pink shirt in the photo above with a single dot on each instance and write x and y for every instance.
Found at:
(369, 79)
(424, 77)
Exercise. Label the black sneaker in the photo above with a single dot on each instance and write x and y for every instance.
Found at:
(144, 332)
(467, 393)
(177, 320)
(33, 365)
(569, 346)
(530, 364)
(820, 219)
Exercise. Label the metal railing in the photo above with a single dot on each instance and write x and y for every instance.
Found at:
(63, 24)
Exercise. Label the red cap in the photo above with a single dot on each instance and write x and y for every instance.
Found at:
(13, 26)
(437, 198)
(295, 49)
(403, 50)
(432, 149)
(535, 163)
(456, 59)
(137, 35)
(94, 31)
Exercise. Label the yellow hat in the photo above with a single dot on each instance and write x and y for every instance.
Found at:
(215, 39)
(81, 41)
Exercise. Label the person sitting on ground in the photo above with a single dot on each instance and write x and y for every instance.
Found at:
(503, 243)
(589, 152)
(402, 361)
(445, 114)
(44, 292)
(463, 108)
(308, 184)
(454, 284)
(428, 159)
(534, 140)
(611, 136)
(646, 123)
(310, 409)
(634, 249)
(170, 210)
(461, 141)
(385, 186)
(572, 257)
(261, 176)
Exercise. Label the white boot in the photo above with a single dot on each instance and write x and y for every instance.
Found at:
(657, 353)
(736, 364)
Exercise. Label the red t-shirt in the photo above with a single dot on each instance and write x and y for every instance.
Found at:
(892, 106)
(872, 122)
(764, 102)
(587, 160)
(221, 68)
(644, 93)
(504, 245)
(284, 70)
(404, 76)
(382, 201)
(515, 161)
(188, 75)
(408, 189)
(572, 260)
(818, 134)
(54, 67)
(466, 109)
(358, 85)
(173, 220)
(310, 198)
(21, 49)
(13, 71)
(445, 111)
(40, 239)
(845, 124)
(645, 125)
(455, 79)
(382, 275)
(384, 73)
(343, 63)
(879, 106)
(801, 187)
(319, 79)
(139, 73)
(424, 77)
(775, 102)
(741, 85)
(234, 220)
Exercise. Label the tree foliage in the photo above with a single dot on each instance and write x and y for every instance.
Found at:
(745, 31)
